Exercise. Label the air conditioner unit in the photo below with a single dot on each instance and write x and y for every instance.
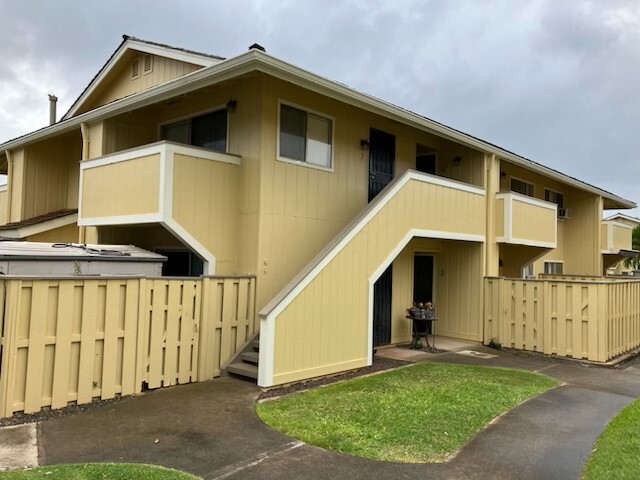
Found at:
(564, 213)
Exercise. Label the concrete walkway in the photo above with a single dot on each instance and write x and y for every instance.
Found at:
(210, 429)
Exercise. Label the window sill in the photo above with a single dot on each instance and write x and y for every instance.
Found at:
(304, 164)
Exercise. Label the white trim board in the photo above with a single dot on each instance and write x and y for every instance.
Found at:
(45, 226)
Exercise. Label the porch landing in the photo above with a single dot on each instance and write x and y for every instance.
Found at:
(444, 344)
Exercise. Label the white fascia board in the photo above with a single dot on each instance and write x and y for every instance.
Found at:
(255, 60)
(121, 220)
(174, 54)
(518, 197)
(266, 352)
(47, 225)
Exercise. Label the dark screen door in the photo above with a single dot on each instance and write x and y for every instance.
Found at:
(423, 280)
(382, 308)
(382, 152)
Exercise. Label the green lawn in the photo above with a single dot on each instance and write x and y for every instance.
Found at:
(97, 471)
(618, 448)
(421, 413)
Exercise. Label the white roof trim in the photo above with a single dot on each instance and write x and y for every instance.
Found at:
(132, 44)
(255, 60)
(616, 216)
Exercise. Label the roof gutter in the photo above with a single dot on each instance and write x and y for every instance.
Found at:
(255, 60)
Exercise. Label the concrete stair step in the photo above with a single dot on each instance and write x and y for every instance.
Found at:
(250, 357)
(243, 369)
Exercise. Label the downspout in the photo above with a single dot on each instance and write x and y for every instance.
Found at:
(9, 183)
(85, 155)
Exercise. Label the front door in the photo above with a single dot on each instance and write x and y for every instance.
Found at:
(382, 308)
(423, 280)
(382, 154)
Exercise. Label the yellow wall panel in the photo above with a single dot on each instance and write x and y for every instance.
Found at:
(205, 203)
(131, 187)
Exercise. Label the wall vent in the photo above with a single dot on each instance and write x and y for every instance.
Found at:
(135, 68)
(148, 63)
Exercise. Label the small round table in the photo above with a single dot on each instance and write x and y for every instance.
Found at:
(420, 329)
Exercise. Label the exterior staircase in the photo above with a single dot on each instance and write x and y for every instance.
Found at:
(245, 364)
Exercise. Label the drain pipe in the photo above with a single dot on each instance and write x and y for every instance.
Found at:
(53, 100)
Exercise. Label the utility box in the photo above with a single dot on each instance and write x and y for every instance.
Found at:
(64, 259)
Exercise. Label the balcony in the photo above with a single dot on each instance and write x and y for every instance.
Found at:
(148, 184)
(523, 220)
(614, 237)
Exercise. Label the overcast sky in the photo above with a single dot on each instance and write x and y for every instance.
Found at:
(557, 81)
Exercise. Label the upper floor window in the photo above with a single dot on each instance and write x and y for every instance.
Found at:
(305, 137)
(207, 131)
(520, 186)
(554, 197)
(553, 268)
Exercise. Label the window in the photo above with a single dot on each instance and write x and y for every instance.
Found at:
(528, 271)
(553, 268)
(207, 131)
(425, 160)
(554, 197)
(305, 137)
(519, 186)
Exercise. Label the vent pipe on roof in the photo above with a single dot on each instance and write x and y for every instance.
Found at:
(53, 100)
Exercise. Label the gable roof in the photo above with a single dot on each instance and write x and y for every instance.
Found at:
(622, 216)
(144, 46)
(256, 60)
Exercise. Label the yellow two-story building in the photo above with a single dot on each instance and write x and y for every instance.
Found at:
(345, 207)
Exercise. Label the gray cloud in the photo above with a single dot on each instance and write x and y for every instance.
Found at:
(555, 81)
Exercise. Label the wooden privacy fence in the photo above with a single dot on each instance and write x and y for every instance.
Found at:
(593, 320)
(78, 339)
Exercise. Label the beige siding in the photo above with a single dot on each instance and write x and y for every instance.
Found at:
(590, 319)
(120, 84)
(303, 208)
(205, 203)
(131, 187)
(531, 222)
(51, 175)
(66, 234)
(499, 217)
(457, 288)
(75, 340)
(16, 186)
(332, 308)
(4, 206)
(581, 232)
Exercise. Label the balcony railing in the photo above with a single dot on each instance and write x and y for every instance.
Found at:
(615, 236)
(137, 186)
(524, 220)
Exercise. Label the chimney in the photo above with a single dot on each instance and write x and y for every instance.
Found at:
(52, 109)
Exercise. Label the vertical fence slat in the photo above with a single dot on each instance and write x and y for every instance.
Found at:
(132, 321)
(87, 341)
(9, 348)
(206, 332)
(35, 350)
(174, 317)
(109, 357)
(157, 331)
(60, 395)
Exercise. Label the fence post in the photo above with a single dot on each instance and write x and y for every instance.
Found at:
(603, 322)
(205, 335)
(142, 334)
(10, 291)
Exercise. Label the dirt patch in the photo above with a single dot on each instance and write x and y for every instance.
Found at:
(379, 364)
(47, 413)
